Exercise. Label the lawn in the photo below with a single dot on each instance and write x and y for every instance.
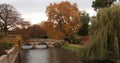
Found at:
(71, 47)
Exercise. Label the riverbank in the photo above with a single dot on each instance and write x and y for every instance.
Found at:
(76, 49)
(71, 47)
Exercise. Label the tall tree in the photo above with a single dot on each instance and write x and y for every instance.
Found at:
(65, 16)
(97, 4)
(85, 19)
(9, 17)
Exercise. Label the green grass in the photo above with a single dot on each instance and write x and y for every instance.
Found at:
(6, 45)
(71, 47)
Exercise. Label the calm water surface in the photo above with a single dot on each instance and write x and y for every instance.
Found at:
(52, 55)
(49, 55)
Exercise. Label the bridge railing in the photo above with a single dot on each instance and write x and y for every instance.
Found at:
(45, 40)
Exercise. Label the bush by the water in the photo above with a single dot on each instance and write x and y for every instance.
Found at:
(74, 39)
(2, 51)
(6, 45)
(2, 35)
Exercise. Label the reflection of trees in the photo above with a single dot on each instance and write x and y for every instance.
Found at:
(58, 55)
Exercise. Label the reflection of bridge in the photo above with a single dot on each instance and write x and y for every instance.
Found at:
(48, 42)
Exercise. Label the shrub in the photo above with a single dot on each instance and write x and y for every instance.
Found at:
(2, 51)
(74, 39)
(2, 35)
(6, 44)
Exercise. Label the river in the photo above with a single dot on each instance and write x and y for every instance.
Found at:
(49, 55)
(52, 55)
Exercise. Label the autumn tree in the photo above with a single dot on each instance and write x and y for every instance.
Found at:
(64, 17)
(52, 31)
(36, 31)
(9, 17)
(23, 32)
(48, 27)
(97, 4)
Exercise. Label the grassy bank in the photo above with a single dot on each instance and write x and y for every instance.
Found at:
(71, 47)
(76, 48)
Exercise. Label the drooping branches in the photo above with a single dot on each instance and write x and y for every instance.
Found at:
(104, 35)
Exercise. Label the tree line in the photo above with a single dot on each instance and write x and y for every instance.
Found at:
(11, 22)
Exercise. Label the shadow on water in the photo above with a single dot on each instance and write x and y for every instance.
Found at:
(52, 55)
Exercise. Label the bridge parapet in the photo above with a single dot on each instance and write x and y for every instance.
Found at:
(45, 40)
(49, 42)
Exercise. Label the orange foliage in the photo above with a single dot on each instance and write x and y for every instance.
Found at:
(23, 32)
(63, 20)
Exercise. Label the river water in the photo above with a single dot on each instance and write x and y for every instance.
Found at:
(49, 55)
(52, 55)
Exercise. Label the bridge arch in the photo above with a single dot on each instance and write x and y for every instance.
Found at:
(48, 42)
(42, 44)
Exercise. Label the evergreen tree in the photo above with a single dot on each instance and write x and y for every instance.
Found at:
(97, 4)
(85, 23)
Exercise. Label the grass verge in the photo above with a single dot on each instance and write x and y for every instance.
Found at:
(71, 47)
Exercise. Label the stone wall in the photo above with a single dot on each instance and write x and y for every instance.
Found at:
(10, 57)
(3, 59)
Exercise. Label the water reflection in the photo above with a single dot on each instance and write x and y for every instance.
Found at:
(62, 56)
(50, 55)
(53, 55)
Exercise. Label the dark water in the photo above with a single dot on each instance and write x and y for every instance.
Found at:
(50, 55)
(53, 55)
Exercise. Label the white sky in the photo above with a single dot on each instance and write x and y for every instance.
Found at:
(34, 10)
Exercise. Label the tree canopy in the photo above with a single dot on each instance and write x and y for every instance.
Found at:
(64, 17)
(104, 34)
(36, 31)
(97, 4)
(85, 19)
(9, 17)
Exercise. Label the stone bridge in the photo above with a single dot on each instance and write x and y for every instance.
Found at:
(48, 42)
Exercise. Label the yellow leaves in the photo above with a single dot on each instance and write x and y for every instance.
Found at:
(63, 20)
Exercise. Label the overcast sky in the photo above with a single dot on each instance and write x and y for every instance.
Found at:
(34, 10)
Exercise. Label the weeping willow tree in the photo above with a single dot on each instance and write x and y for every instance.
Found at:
(104, 34)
